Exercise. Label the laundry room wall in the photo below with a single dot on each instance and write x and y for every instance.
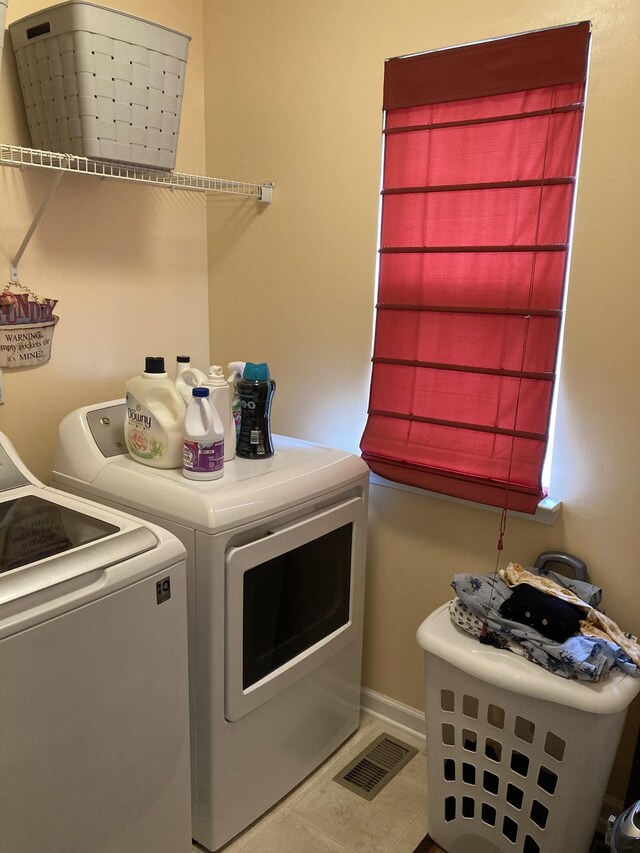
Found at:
(127, 263)
(293, 94)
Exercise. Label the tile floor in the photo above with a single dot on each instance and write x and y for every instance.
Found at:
(321, 816)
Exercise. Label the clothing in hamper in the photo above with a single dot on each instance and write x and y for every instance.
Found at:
(595, 623)
(553, 618)
(469, 622)
(587, 658)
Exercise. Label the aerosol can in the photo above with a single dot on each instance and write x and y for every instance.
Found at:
(221, 400)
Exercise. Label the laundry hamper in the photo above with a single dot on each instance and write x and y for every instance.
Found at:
(101, 83)
(518, 758)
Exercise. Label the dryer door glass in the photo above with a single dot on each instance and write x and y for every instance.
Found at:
(293, 601)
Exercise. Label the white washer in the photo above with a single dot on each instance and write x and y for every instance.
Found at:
(94, 722)
(276, 561)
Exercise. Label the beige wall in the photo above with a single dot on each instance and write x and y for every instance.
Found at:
(293, 94)
(127, 263)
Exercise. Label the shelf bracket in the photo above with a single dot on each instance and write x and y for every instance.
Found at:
(13, 272)
(266, 192)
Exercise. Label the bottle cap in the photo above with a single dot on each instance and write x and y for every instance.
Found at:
(200, 392)
(256, 372)
(216, 376)
(183, 359)
(154, 364)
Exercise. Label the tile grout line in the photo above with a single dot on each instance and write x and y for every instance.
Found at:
(419, 817)
(395, 842)
(323, 831)
(267, 820)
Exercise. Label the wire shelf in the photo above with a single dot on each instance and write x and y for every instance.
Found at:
(14, 155)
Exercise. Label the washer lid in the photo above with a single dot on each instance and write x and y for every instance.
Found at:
(44, 542)
(32, 529)
(48, 537)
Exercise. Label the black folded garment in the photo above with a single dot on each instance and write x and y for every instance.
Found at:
(552, 617)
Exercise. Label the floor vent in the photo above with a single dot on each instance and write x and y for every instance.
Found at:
(377, 764)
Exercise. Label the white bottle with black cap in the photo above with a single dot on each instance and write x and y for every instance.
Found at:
(183, 362)
(154, 417)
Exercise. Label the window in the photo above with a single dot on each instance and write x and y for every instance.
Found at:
(481, 147)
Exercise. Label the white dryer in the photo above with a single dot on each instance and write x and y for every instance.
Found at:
(94, 722)
(276, 562)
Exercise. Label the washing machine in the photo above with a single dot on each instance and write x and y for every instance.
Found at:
(94, 717)
(275, 580)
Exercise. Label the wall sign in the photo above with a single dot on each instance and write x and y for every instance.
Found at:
(27, 323)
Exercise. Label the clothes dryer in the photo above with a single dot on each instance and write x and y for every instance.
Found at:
(94, 719)
(276, 564)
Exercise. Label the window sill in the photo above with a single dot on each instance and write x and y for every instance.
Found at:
(546, 513)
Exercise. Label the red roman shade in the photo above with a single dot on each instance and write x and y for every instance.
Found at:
(480, 157)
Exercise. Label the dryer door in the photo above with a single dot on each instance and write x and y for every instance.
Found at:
(293, 599)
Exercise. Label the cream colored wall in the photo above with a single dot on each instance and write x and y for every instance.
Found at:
(127, 263)
(293, 94)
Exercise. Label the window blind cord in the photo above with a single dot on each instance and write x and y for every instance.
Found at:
(502, 527)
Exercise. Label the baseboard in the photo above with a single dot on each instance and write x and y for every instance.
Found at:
(389, 709)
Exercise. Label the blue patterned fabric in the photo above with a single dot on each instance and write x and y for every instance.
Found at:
(581, 657)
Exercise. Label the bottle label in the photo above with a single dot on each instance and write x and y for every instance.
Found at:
(237, 417)
(143, 434)
(254, 437)
(203, 457)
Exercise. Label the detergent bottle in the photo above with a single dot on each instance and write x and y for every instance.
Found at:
(203, 448)
(188, 379)
(237, 369)
(256, 390)
(154, 417)
(220, 397)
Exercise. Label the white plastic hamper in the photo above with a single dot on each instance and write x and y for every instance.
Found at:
(101, 83)
(518, 758)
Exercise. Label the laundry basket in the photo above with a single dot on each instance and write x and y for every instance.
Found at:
(518, 758)
(101, 83)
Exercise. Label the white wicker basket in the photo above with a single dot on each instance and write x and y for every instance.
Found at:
(101, 83)
(518, 759)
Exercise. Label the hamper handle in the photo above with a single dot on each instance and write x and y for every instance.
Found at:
(579, 566)
(39, 30)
